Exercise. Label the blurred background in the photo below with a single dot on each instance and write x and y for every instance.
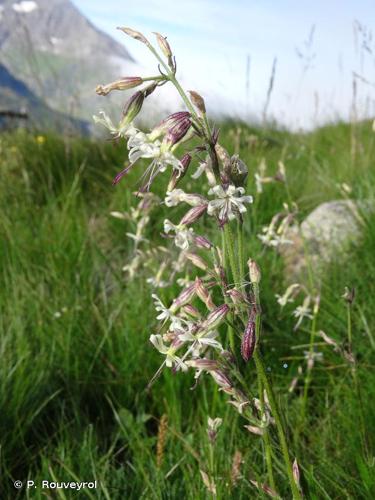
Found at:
(299, 64)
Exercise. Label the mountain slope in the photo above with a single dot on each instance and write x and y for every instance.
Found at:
(15, 96)
(61, 56)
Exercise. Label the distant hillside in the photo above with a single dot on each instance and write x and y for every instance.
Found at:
(15, 96)
(60, 55)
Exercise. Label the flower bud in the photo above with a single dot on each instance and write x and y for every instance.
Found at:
(123, 84)
(134, 34)
(197, 260)
(203, 364)
(184, 298)
(168, 122)
(215, 317)
(132, 107)
(193, 215)
(255, 430)
(238, 171)
(198, 101)
(254, 271)
(222, 381)
(203, 242)
(164, 45)
(223, 156)
(349, 295)
(296, 473)
(203, 294)
(236, 296)
(249, 339)
(177, 175)
(191, 311)
(328, 340)
(177, 132)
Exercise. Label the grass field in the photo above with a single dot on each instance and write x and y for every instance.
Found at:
(75, 354)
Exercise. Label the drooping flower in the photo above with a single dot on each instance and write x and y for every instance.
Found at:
(289, 295)
(177, 196)
(122, 130)
(229, 202)
(166, 313)
(303, 311)
(171, 360)
(183, 235)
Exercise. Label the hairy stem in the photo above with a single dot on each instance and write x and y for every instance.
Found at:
(279, 425)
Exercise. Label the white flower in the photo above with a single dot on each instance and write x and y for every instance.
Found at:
(311, 357)
(183, 235)
(165, 313)
(200, 340)
(288, 296)
(229, 203)
(258, 183)
(303, 311)
(201, 168)
(177, 196)
(204, 167)
(140, 146)
(122, 130)
(173, 197)
(170, 357)
(214, 423)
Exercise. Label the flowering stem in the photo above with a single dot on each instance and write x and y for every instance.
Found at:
(266, 435)
(228, 235)
(266, 438)
(356, 381)
(280, 429)
(240, 248)
(308, 375)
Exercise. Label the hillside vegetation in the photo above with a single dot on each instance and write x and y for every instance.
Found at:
(74, 329)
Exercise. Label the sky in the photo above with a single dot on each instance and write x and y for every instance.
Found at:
(226, 49)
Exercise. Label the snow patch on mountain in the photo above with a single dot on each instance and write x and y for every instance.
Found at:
(25, 7)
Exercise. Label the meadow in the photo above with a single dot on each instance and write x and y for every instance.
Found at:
(75, 352)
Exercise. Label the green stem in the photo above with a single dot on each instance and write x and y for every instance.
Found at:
(230, 250)
(308, 376)
(356, 383)
(280, 429)
(266, 438)
(266, 434)
(240, 249)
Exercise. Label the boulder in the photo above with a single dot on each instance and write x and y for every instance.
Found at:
(327, 234)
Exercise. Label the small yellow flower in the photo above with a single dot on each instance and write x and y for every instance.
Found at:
(40, 139)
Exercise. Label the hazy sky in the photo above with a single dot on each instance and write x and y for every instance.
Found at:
(213, 40)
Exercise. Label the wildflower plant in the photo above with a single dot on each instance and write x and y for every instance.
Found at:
(213, 325)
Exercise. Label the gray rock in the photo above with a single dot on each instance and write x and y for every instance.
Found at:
(327, 234)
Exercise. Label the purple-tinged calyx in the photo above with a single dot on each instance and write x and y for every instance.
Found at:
(164, 45)
(177, 132)
(203, 242)
(197, 260)
(121, 84)
(184, 298)
(121, 174)
(193, 215)
(222, 381)
(178, 174)
(137, 35)
(203, 294)
(132, 107)
(249, 337)
(215, 317)
(203, 364)
(169, 123)
(191, 311)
